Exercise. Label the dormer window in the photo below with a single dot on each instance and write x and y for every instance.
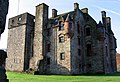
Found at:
(61, 26)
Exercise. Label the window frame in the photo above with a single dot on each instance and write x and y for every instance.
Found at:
(62, 56)
(61, 26)
(61, 39)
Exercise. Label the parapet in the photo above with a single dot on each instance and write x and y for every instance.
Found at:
(22, 19)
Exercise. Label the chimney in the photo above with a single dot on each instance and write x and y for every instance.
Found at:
(54, 12)
(104, 18)
(103, 14)
(41, 20)
(76, 6)
(85, 10)
(108, 21)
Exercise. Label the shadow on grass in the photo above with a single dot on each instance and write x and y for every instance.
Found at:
(110, 74)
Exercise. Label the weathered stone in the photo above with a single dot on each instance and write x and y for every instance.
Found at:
(70, 43)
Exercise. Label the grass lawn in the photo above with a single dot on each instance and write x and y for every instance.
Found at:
(20, 77)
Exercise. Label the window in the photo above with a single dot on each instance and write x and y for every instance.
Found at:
(48, 61)
(79, 41)
(78, 28)
(62, 56)
(89, 65)
(79, 52)
(19, 19)
(12, 21)
(48, 47)
(106, 50)
(61, 39)
(88, 49)
(61, 26)
(87, 31)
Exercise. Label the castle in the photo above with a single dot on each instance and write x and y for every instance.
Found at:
(69, 43)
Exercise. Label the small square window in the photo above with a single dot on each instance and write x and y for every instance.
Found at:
(12, 21)
(62, 56)
(61, 39)
(19, 19)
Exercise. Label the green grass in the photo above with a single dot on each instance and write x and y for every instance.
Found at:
(20, 77)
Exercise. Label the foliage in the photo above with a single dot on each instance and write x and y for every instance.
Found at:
(20, 77)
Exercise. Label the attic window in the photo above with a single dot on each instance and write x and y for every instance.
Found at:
(19, 19)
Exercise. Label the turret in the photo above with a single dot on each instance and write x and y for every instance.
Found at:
(68, 26)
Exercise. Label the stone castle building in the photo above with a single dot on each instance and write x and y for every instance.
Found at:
(69, 43)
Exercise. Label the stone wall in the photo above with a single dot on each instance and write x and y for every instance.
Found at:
(18, 42)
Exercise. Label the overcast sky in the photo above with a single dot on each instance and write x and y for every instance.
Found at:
(112, 7)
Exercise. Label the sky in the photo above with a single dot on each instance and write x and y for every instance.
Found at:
(112, 8)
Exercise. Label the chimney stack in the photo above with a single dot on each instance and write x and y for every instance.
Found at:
(54, 12)
(108, 21)
(76, 6)
(104, 18)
